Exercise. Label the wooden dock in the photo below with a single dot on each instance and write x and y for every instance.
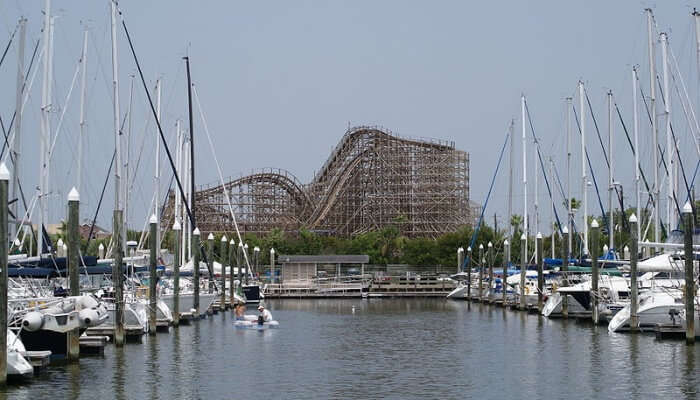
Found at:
(377, 287)
(132, 333)
(38, 359)
(93, 345)
(669, 331)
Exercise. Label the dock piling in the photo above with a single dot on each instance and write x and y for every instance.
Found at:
(523, 269)
(118, 279)
(152, 278)
(4, 183)
(540, 272)
(223, 253)
(73, 337)
(210, 259)
(504, 277)
(565, 253)
(489, 259)
(481, 272)
(195, 271)
(469, 273)
(689, 274)
(232, 286)
(595, 245)
(634, 255)
(176, 272)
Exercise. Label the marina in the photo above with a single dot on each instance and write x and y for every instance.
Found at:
(557, 257)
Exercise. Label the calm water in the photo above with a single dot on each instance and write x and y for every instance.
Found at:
(387, 349)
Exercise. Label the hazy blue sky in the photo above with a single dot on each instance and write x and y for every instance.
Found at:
(281, 80)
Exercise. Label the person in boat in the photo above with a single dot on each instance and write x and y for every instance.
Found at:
(265, 315)
(239, 311)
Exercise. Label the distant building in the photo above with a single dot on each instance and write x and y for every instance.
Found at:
(97, 231)
(303, 267)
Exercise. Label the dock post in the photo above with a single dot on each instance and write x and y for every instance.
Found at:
(176, 272)
(634, 255)
(73, 337)
(4, 183)
(481, 272)
(272, 265)
(595, 245)
(460, 259)
(152, 274)
(469, 273)
(489, 259)
(523, 270)
(504, 278)
(565, 253)
(689, 275)
(540, 272)
(195, 271)
(223, 253)
(232, 286)
(210, 259)
(118, 279)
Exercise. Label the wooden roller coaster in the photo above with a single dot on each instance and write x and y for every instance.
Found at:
(372, 179)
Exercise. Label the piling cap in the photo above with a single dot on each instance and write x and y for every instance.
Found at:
(245, 246)
(232, 242)
(211, 236)
(176, 226)
(469, 249)
(523, 236)
(17, 243)
(240, 244)
(60, 242)
(196, 232)
(633, 218)
(687, 209)
(539, 235)
(73, 195)
(4, 172)
(627, 248)
(481, 247)
(64, 247)
(224, 239)
(460, 250)
(256, 248)
(605, 248)
(272, 251)
(565, 230)
(594, 223)
(101, 246)
(490, 244)
(153, 219)
(505, 242)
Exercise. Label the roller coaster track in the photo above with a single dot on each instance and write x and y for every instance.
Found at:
(371, 178)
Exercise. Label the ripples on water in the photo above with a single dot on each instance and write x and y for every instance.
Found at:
(389, 348)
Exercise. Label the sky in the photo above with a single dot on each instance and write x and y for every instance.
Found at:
(279, 83)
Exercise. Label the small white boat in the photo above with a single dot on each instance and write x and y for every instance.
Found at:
(245, 324)
(17, 365)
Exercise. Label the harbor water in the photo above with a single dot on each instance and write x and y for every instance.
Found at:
(384, 348)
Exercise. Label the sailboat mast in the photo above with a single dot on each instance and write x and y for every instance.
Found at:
(536, 216)
(156, 182)
(83, 90)
(128, 158)
(654, 128)
(45, 125)
(584, 175)
(510, 180)
(637, 188)
(551, 216)
(611, 183)
(16, 148)
(525, 227)
(670, 215)
(115, 117)
(192, 182)
(570, 213)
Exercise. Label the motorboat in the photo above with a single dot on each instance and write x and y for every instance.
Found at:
(17, 365)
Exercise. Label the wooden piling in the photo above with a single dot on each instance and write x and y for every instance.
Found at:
(195, 271)
(688, 229)
(176, 273)
(594, 250)
(73, 337)
(540, 272)
(152, 275)
(210, 260)
(239, 272)
(489, 259)
(481, 272)
(118, 279)
(223, 254)
(565, 253)
(634, 255)
(272, 265)
(232, 286)
(504, 278)
(469, 273)
(4, 183)
(460, 259)
(523, 270)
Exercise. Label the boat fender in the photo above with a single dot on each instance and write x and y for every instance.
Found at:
(32, 321)
(88, 317)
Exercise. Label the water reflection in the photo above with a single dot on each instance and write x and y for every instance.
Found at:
(387, 348)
